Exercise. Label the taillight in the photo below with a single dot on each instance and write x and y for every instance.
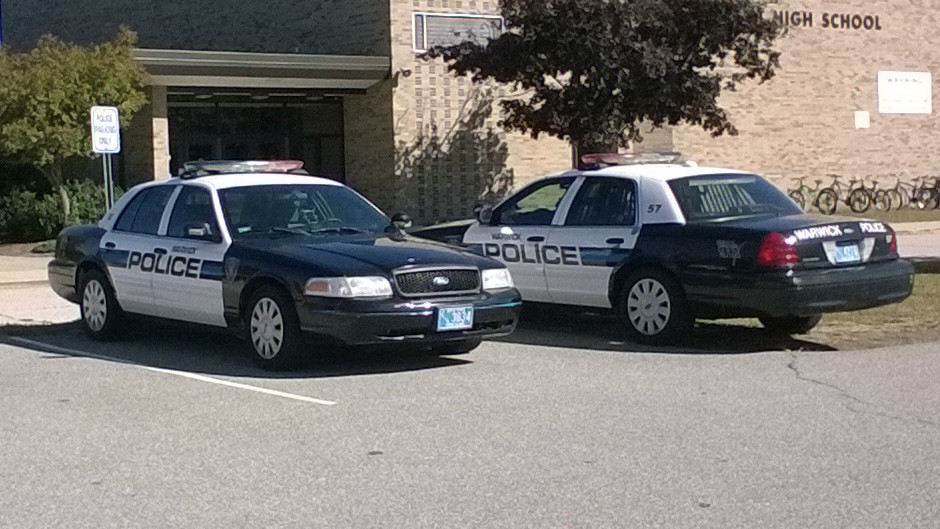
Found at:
(776, 251)
(893, 239)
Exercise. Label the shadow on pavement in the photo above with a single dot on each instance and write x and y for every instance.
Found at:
(204, 350)
(596, 329)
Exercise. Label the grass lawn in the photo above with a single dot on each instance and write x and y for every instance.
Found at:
(916, 320)
(902, 215)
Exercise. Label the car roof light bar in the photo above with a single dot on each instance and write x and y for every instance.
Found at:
(615, 159)
(214, 167)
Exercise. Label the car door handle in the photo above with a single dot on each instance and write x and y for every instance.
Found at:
(161, 251)
(109, 245)
(615, 240)
(536, 238)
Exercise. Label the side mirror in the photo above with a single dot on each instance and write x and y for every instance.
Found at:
(485, 215)
(401, 221)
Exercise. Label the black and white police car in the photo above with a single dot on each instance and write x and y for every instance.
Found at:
(663, 242)
(259, 247)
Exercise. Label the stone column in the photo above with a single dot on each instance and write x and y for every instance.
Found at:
(161, 133)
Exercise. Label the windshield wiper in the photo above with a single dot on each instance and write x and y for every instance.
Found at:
(337, 229)
(291, 231)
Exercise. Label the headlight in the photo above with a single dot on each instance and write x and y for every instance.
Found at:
(497, 279)
(349, 287)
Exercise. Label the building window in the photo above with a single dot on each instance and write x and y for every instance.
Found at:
(434, 29)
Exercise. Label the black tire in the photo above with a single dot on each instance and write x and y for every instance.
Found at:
(927, 198)
(827, 201)
(273, 329)
(791, 324)
(457, 347)
(101, 313)
(882, 200)
(652, 307)
(860, 200)
(798, 198)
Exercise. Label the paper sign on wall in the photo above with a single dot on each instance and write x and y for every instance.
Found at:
(905, 93)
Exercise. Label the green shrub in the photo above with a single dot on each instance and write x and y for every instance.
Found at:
(26, 216)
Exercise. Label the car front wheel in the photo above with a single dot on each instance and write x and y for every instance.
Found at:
(652, 307)
(273, 329)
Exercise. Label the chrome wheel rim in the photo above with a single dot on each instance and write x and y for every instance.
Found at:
(94, 306)
(267, 328)
(648, 307)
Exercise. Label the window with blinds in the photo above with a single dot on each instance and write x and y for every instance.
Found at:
(434, 29)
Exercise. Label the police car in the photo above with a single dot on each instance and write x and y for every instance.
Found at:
(663, 242)
(260, 247)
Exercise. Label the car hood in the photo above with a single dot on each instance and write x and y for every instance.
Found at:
(368, 254)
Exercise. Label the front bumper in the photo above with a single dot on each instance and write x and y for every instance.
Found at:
(804, 292)
(369, 322)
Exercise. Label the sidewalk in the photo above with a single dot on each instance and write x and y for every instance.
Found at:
(18, 270)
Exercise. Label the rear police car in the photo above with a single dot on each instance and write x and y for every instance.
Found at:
(663, 242)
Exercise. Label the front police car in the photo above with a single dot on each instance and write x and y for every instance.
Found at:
(279, 254)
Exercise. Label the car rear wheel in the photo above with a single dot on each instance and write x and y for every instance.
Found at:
(791, 324)
(101, 313)
(652, 307)
(273, 329)
(457, 348)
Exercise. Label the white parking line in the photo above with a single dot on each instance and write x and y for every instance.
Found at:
(203, 378)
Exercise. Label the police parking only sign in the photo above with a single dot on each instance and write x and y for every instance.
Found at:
(105, 130)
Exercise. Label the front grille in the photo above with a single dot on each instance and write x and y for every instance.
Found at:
(445, 281)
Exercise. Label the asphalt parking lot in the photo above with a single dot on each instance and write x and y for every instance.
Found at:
(560, 425)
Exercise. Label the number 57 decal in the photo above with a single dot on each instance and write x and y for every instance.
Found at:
(654, 208)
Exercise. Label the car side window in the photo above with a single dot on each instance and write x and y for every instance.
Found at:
(126, 220)
(534, 206)
(145, 211)
(604, 202)
(193, 208)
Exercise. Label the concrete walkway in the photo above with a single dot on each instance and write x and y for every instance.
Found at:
(16, 270)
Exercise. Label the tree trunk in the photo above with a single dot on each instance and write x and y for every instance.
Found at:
(54, 174)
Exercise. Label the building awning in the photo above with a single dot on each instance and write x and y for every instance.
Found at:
(221, 69)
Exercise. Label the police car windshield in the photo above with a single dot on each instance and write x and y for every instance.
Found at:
(728, 196)
(307, 209)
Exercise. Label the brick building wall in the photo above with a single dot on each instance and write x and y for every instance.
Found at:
(802, 123)
(344, 27)
(450, 151)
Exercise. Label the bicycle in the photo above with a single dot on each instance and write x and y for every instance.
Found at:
(827, 201)
(862, 198)
(804, 194)
(910, 194)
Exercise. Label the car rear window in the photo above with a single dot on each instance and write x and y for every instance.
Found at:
(730, 195)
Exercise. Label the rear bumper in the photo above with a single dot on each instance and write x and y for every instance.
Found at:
(804, 292)
(360, 322)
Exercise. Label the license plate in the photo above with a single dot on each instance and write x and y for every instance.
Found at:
(847, 254)
(454, 318)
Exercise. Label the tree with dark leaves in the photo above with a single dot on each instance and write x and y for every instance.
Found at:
(594, 71)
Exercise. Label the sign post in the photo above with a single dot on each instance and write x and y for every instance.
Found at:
(106, 140)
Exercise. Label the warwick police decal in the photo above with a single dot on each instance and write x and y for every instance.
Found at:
(818, 232)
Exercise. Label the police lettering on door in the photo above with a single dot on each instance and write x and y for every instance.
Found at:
(551, 254)
(165, 264)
